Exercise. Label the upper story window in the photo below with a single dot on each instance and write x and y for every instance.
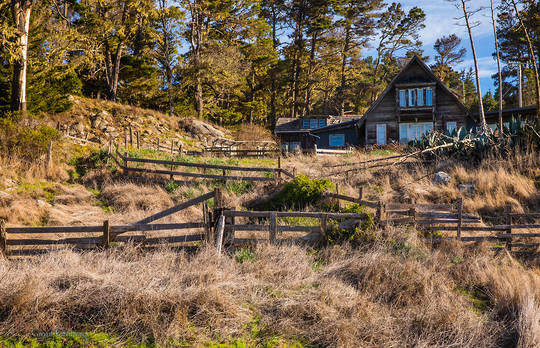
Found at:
(414, 97)
(313, 123)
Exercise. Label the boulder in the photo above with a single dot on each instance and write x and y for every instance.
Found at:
(441, 178)
(77, 127)
(198, 128)
(467, 189)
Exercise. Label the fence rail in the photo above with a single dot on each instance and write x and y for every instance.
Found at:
(276, 173)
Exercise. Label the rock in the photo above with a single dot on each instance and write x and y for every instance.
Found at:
(77, 127)
(441, 178)
(109, 129)
(10, 183)
(42, 204)
(198, 128)
(349, 224)
(467, 189)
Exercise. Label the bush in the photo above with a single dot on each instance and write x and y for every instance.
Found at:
(298, 194)
(19, 138)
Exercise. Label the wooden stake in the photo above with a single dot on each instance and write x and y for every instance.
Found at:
(508, 210)
(361, 193)
(49, 156)
(324, 227)
(106, 234)
(130, 137)
(219, 233)
(126, 164)
(3, 238)
(460, 217)
(273, 227)
(338, 202)
(125, 139)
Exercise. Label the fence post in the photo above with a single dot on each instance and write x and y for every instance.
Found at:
(279, 167)
(106, 234)
(412, 213)
(460, 217)
(172, 145)
(337, 199)
(324, 227)
(508, 210)
(219, 235)
(381, 211)
(360, 193)
(3, 238)
(130, 137)
(125, 138)
(49, 156)
(109, 150)
(273, 227)
(126, 164)
(206, 221)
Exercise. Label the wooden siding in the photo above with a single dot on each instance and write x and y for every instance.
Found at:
(350, 133)
(445, 107)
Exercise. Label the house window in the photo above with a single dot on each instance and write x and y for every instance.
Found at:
(322, 123)
(337, 140)
(305, 123)
(413, 131)
(420, 97)
(412, 97)
(293, 145)
(381, 134)
(313, 123)
(402, 98)
(429, 94)
(450, 126)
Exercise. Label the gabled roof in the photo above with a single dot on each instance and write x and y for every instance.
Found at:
(294, 125)
(417, 60)
(337, 126)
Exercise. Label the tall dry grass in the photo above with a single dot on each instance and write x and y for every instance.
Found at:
(394, 293)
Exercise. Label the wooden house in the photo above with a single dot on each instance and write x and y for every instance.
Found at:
(414, 103)
(302, 133)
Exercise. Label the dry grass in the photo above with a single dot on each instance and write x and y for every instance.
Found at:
(395, 293)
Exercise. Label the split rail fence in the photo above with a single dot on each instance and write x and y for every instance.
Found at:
(123, 161)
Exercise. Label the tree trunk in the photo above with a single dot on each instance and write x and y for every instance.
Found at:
(20, 10)
(343, 77)
(309, 87)
(533, 60)
(296, 68)
(483, 124)
(273, 72)
(498, 71)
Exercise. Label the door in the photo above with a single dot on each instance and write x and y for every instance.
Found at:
(381, 134)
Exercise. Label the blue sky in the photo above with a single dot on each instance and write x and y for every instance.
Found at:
(440, 21)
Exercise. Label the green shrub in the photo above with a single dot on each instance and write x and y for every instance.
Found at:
(244, 255)
(25, 141)
(298, 194)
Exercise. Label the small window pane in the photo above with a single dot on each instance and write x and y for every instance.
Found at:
(403, 135)
(429, 102)
(322, 123)
(305, 123)
(402, 98)
(313, 123)
(420, 95)
(450, 126)
(412, 101)
(337, 140)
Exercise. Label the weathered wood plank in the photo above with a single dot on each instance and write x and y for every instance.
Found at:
(174, 239)
(202, 165)
(294, 214)
(176, 208)
(351, 199)
(198, 175)
(279, 228)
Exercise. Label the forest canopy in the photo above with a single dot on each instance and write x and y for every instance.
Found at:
(235, 61)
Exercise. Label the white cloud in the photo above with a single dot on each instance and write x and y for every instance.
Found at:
(487, 66)
(441, 20)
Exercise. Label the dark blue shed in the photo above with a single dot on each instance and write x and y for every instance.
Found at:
(339, 135)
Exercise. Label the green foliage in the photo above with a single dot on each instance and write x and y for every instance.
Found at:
(96, 159)
(18, 138)
(364, 232)
(51, 92)
(244, 255)
(298, 194)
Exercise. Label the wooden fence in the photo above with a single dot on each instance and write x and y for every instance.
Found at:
(109, 234)
(275, 174)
